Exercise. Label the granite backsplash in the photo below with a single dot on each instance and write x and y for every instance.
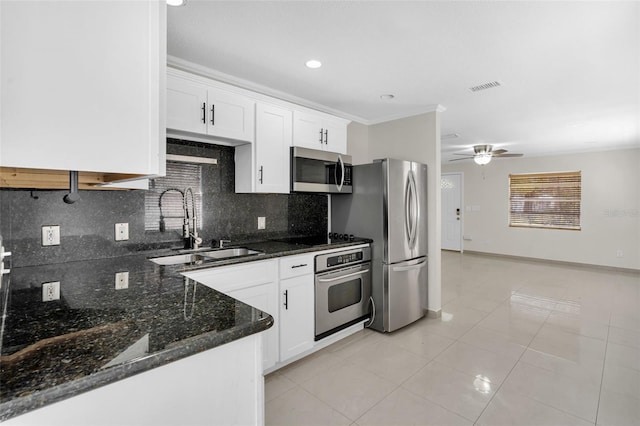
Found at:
(87, 227)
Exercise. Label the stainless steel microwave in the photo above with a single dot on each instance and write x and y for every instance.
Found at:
(326, 172)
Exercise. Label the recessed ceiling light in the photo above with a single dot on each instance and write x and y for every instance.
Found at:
(176, 2)
(387, 97)
(312, 63)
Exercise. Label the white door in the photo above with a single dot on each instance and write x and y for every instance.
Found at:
(307, 130)
(451, 184)
(296, 316)
(273, 141)
(229, 115)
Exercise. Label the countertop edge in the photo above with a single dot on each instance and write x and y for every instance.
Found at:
(195, 345)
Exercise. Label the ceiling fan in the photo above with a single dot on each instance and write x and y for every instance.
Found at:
(484, 153)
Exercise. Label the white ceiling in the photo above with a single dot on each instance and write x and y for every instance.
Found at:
(569, 71)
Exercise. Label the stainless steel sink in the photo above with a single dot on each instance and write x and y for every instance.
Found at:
(230, 252)
(202, 256)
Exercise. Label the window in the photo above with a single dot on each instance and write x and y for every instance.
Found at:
(179, 176)
(545, 200)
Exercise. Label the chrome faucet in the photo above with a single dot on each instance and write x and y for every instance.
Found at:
(190, 225)
(223, 242)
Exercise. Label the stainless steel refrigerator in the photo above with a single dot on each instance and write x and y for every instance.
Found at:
(389, 205)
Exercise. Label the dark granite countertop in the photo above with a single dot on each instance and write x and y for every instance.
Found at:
(95, 334)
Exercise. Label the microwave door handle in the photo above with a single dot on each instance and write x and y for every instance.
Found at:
(342, 173)
(341, 277)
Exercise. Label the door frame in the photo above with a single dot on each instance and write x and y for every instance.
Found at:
(462, 210)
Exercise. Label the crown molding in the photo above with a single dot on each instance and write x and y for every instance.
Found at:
(202, 71)
(424, 110)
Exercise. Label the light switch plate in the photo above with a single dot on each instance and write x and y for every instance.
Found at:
(51, 291)
(51, 235)
(122, 280)
(262, 222)
(122, 231)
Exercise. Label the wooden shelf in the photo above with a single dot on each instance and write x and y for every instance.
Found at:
(12, 177)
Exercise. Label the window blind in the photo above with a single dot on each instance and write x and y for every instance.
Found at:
(545, 200)
(179, 176)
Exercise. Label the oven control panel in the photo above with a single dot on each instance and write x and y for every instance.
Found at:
(342, 258)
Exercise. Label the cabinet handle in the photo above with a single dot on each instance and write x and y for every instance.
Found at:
(261, 174)
(326, 136)
(321, 142)
(302, 265)
(286, 299)
(204, 112)
(213, 115)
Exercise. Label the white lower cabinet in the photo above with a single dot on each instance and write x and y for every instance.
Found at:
(296, 305)
(283, 288)
(296, 316)
(254, 283)
(221, 386)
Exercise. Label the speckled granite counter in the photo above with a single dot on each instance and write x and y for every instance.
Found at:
(96, 334)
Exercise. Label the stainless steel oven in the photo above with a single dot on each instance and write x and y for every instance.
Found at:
(343, 289)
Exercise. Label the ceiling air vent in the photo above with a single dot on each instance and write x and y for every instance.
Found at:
(485, 86)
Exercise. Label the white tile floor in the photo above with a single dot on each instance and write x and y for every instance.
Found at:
(519, 343)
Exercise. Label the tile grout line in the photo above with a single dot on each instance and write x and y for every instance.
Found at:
(604, 363)
(512, 368)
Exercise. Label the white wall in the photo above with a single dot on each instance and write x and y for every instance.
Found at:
(610, 213)
(414, 138)
(358, 142)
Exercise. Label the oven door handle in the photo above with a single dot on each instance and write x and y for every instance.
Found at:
(341, 277)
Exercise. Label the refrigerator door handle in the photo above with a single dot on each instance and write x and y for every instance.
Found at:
(410, 268)
(411, 207)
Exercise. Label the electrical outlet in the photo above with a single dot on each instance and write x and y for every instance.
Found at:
(122, 231)
(51, 235)
(262, 222)
(51, 291)
(619, 253)
(122, 280)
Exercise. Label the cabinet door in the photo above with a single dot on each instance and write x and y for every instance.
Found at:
(186, 105)
(264, 297)
(335, 136)
(229, 115)
(83, 85)
(273, 142)
(307, 130)
(296, 316)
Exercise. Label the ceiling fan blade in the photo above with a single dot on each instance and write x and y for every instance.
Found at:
(499, 151)
(468, 155)
(508, 155)
(458, 159)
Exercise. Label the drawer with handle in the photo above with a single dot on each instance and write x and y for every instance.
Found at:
(294, 266)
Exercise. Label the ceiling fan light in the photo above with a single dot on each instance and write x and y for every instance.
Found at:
(482, 158)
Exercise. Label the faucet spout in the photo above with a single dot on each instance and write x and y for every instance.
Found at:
(190, 225)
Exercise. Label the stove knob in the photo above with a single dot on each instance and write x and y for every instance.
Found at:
(351, 237)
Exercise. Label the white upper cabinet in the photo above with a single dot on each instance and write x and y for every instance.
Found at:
(197, 108)
(273, 144)
(317, 131)
(83, 86)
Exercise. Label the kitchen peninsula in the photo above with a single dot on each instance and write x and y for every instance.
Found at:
(109, 338)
